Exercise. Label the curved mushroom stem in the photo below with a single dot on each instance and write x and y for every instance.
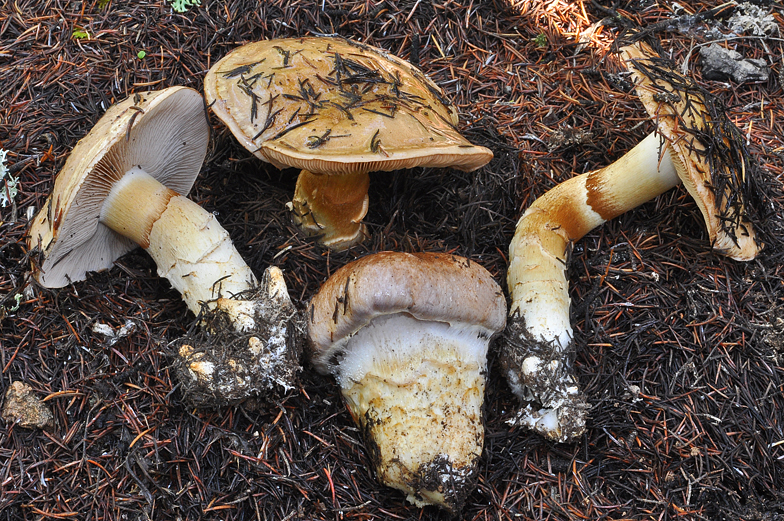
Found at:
(195, 253)
(332, 207)
(538, 343)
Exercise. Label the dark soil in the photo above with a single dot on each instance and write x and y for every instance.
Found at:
(680, 350)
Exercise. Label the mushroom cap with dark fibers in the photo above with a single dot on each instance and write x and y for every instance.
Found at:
(705, 146)
(334, 106)
(164, 132)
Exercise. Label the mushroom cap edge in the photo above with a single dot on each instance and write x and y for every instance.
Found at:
(428, 286)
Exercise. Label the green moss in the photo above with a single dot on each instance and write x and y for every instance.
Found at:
(540, 40)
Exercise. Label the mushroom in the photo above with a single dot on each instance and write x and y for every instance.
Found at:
(694, 143)
(120, 188)
(406, 336)
(336, 109)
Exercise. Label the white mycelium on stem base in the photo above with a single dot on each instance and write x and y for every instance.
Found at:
(120, 188)
(406, 336)
(538, 347)
(248, 346)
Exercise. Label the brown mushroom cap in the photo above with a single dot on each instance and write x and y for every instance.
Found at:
(164, 132)
(428, 286)
(334, 106)
(705, 146)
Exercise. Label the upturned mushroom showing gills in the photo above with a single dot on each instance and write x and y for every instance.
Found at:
(406, 336)
(120, 188)
(694, 143)
(336, 109)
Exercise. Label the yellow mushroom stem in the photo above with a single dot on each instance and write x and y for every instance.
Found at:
(191, 249)
(416, 389)
(332, 207)
(540, 291)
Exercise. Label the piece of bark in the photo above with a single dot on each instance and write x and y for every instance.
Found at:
(721, 64)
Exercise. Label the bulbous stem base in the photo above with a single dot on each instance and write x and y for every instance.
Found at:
(416, 390)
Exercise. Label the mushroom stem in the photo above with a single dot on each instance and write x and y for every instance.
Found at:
(245, 349)
(332, 207)
(416, 390)
(538, 252)
(191, 249)
(540, 334)
(406, 336)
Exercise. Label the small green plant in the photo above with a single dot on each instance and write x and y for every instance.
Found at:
(18, 299)
(540, 40)
(80, 34)
(182, 6)
(141, 54)
(8, 187)
(4, 311)
(102, 4)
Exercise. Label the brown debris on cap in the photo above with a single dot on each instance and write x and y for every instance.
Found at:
(334, 106)
(705, 146)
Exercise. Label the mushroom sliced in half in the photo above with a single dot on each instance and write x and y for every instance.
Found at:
(406, 336)
(120, 188)
(333, 107)
(694, 143)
